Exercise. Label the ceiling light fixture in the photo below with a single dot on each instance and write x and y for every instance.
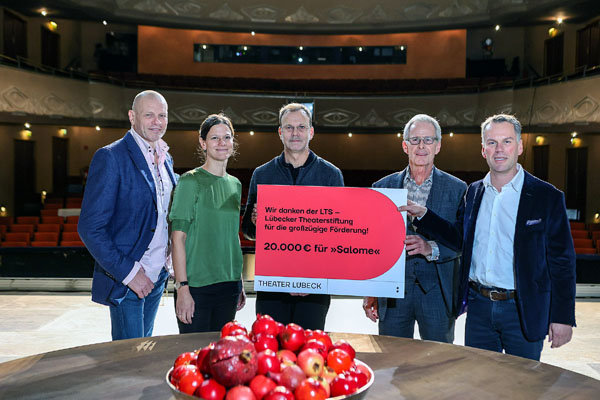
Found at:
(98, 128)
(559, 20)
(251, 133)
(497, 28)
(104, 22)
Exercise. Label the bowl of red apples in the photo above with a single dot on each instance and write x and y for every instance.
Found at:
(270, 362)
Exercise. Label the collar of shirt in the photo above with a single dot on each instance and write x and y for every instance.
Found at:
(516, 183)
(408, 177)
(161, 148)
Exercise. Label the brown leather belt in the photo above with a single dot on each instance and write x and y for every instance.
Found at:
(493, 294)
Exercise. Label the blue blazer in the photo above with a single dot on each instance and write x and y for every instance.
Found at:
(118, 215)
(544, 257)
(444, 198)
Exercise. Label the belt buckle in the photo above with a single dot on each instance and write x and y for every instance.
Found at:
(491, 292)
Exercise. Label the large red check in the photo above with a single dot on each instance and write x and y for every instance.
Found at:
(330, 240)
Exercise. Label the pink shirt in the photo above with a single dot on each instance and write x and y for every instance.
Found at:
(155, 257)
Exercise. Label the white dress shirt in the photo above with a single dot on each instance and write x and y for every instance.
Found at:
(492, 263)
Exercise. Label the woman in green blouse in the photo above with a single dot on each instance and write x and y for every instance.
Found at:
(205, 216)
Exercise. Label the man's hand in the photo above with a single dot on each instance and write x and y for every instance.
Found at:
(413, 209)
(417, 245)
(141, 284)
(184, 308)
(371, 307)
(559, 334)
(254, 215)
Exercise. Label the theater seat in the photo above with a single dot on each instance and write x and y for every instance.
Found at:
(28, 220)
(72, 243)
(28, 228)
(18, 237)
(41, 243)
(577, 225)
(586, 250)
(50, 212)
(71, 236)
(578, 234)
(595, 236)
(46, 237)
(3, 230)
(9, 243)
(49, 228)
(70, 228)
(583, 243)
(73, 219)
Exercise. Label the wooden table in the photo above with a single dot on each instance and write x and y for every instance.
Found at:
(404, 369)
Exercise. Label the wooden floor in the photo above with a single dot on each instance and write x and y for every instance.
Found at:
(36, 322)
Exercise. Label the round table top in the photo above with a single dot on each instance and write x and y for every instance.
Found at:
(404, 369)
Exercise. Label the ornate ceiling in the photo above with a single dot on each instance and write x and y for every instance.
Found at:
(316, 16)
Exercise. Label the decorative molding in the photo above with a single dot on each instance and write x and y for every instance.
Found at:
(342, 15)
(190, 113)
(337, 117)
(235, 118)
(262, 13)
(301, 16)
(262, 116)
(372, 119)
(403, 116)
(225, 13)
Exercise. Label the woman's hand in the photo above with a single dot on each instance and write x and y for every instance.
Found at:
(185, 305)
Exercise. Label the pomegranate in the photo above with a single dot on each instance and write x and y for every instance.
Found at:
(233, 361)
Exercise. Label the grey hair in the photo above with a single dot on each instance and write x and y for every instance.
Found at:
(499, 118)
(292, 107)
(422, 118)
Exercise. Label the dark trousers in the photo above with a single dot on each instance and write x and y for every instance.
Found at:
(495, 325)
(214, 306)
(427, 309)
(307, 311)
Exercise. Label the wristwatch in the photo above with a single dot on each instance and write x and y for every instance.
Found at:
(177, 285)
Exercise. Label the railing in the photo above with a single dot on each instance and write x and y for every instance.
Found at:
(304, 87)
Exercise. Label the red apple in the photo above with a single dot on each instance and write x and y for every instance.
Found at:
(328, 374)
(189, 357)
(240, 392)
(210, 390)
(311, 362)
(292, 337)
(232, 326)
(265, 324)
(280, 393)
(359, 377)
(268, 362)
(323, 337)
(317, 345)
(347, 347)
(287, 356)
(310, 389)
(263, 341)
(339, 360)
(343, 385)
(189, 382)
(261, 385)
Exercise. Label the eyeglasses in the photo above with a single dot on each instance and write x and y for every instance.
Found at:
(299, 128)
(415, 140)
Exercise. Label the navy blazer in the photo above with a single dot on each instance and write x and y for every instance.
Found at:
(118, 215)
(445, 198)
(544, 256)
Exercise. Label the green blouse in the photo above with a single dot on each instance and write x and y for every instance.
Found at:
(207, 208)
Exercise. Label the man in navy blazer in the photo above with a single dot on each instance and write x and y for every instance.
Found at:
(123, 220)
(518, 269)
(431, 269)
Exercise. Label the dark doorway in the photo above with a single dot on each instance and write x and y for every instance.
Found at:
(576, 180)
(553, 51)
(540, 161)
(50, 48)
(60, 167)
(26, 199)
(15, 36)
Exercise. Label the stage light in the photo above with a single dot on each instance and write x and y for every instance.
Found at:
(253, 33)
(349, 134)
(451, 134)
(251, 133)
(497, 28)
(98, 128)
(27, 125)
(104, 22)
(62, 131)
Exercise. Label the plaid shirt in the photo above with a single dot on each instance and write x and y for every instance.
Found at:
(419, 194)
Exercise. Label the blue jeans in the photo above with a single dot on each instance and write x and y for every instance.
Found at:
(134, 317)
(427, 309)
(495, 325)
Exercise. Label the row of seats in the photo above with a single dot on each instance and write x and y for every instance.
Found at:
(30, 231)
(586, 238)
